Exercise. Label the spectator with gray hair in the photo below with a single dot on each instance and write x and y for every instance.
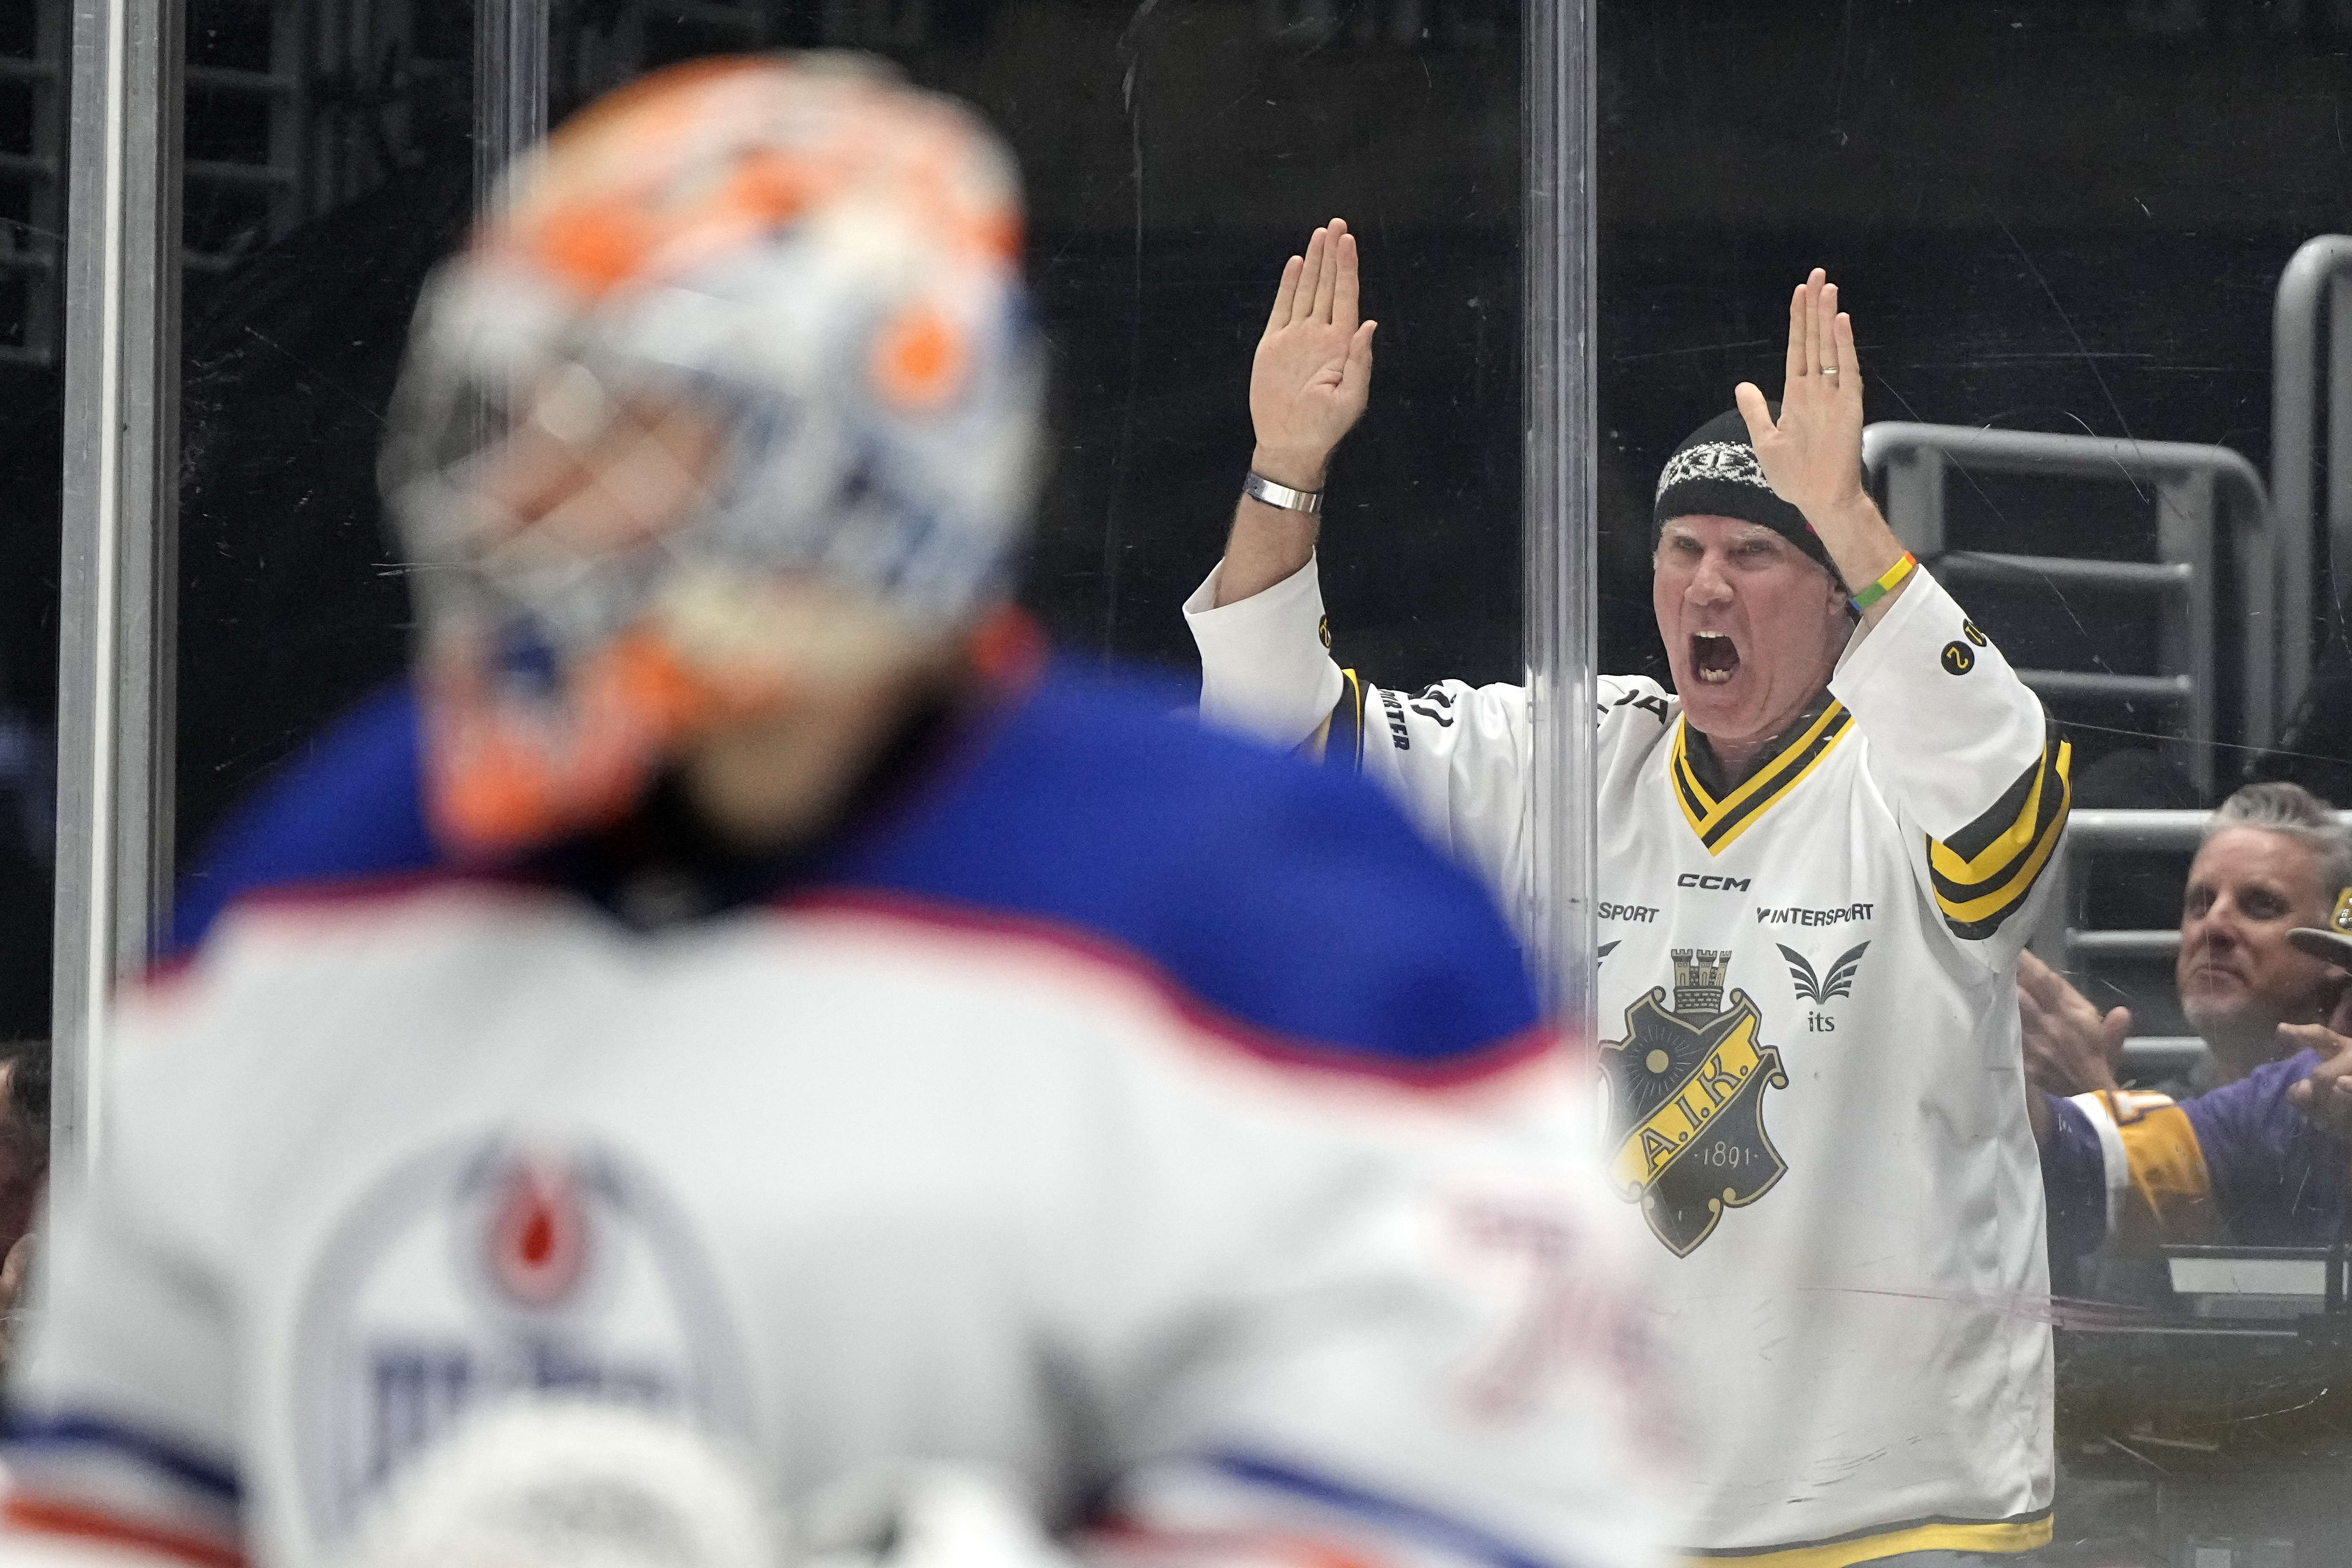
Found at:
(2271, 859)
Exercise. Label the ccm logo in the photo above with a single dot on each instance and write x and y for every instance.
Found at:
(1712, 883)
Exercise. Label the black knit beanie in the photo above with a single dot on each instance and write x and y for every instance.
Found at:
(1715, 473)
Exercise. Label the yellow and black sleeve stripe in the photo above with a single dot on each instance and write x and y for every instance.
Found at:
(1338, 740)
(2019, 1532)
(1983, 873)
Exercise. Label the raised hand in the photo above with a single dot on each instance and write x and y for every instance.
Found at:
(1313, 372)
(1812, 454)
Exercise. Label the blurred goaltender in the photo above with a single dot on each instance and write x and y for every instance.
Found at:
(1823, 845)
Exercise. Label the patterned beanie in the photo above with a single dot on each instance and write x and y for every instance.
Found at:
(1715, 473)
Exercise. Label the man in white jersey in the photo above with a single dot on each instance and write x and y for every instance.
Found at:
(738, 981)
(1814, 854)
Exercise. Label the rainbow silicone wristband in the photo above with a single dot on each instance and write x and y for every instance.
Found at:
(1888, 584)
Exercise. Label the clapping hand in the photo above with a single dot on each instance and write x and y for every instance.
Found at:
(1313, 372)
(2070, 1048)
(1812, 453)
(2325, 1096)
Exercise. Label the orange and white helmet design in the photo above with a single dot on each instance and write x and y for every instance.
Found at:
(738, 377)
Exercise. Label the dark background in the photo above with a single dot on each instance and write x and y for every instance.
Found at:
(2066, 216)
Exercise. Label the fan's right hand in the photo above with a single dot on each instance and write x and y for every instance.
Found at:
(1313, 372)
(2325, 1096)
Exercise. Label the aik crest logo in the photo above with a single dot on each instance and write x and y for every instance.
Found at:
(1687, 1088)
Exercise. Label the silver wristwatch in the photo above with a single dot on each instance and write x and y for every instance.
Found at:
(1258, 488)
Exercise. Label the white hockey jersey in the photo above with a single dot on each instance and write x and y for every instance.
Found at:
(1807, 999)
(848, 1188)
(1008, 1132)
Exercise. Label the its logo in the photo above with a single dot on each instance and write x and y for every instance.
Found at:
(2342, 919)
(1813, 988)
(1957, 660)
(1969, 629)
(1686, 1095)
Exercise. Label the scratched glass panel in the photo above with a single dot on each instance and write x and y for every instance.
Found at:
(1174, 154)
(327, 165)
(33, 79)
(2074, 218)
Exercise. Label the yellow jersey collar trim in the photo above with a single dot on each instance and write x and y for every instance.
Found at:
(1718, 823)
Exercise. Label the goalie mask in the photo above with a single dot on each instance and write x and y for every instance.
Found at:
(735, 392)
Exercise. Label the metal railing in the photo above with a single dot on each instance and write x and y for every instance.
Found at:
(275, 183)
(2062, 942)
(2195, 486)
(29, 250)
(2314, 280)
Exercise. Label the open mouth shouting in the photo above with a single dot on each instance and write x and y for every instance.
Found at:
(1714, 657)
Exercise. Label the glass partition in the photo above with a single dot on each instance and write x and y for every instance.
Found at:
(342, 168)
(1173, 157)
(2108, 378)
(33, 119)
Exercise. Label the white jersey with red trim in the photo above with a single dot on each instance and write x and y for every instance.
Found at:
(1807, 987)
(848, 1183)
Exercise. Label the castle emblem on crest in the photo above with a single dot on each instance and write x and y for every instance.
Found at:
(1686, 1091)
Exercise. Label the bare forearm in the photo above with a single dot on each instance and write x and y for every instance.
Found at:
(1863, 548)
(1266, 546)
(1269, 544)
(1309, 381)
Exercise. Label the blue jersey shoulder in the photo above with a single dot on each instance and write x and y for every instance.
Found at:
(347, 808)
(1290, 901)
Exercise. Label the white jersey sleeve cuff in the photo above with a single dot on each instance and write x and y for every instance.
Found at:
(2093, 1107)
(1263, 667)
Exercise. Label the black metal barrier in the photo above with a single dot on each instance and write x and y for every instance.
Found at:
(2213, 1430)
